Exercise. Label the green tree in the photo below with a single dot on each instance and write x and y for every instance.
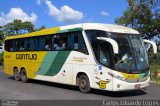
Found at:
(41, 28)
(1, 36)
(28, 27)
(142, 15)
(18, 27)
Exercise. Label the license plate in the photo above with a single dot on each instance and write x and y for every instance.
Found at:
(137, 86)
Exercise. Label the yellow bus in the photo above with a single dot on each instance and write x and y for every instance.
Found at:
(89, 55)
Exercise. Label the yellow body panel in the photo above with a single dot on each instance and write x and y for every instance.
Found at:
(37, 33)
(11, 61)
(130, 76)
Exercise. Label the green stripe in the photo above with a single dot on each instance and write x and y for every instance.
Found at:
(46, 63)
(70, 30)
(75, 29)
(53, 62)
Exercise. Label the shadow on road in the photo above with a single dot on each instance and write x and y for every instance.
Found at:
(93, 91)
(119, 93)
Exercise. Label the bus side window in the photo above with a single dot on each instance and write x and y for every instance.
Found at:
(13, 48)
(76, 43)
(16, 45)
(48, 43)
(32, 44)
(26, 44)
(70, 41)
(21, 45)
(60, 42)
(36, 43)
(53, 42)
(104, 55)
(8, 45)
(79, 43)
(41, 45)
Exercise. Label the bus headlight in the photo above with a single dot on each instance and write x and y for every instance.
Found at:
(116, 76)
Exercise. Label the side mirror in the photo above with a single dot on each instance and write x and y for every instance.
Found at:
(153, 45)
(112, 42)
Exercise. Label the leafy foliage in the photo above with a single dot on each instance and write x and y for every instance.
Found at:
(18, 27)
(154, 66)
(1, 36)
(1, 58)
(41, 28)
(142, 15)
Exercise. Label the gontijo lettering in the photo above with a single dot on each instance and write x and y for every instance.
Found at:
(26, 56)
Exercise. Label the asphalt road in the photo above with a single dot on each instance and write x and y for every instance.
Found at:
(40, 90)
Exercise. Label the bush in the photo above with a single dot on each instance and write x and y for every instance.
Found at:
(1, 58)
(154, 60)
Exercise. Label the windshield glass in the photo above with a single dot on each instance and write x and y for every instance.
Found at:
(132, 56)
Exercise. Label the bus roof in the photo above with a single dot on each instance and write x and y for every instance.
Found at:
(76, 27)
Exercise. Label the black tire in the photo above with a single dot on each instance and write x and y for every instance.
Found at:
(24, 76)
(16, 74)
(84, 84)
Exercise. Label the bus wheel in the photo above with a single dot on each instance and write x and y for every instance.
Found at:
(84, 85)
(16, 74)
(24, 76)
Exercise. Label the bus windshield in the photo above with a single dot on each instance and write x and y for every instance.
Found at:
(132, 56)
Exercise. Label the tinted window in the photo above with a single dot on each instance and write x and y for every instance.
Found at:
(57, 42)
(104, 54)
(60, 42)
(76, 41)
(101, 49)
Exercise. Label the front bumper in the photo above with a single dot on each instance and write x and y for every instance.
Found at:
(119, 85)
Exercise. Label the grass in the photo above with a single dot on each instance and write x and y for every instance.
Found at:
(1, 68)
(155, 67)
(1, 62)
